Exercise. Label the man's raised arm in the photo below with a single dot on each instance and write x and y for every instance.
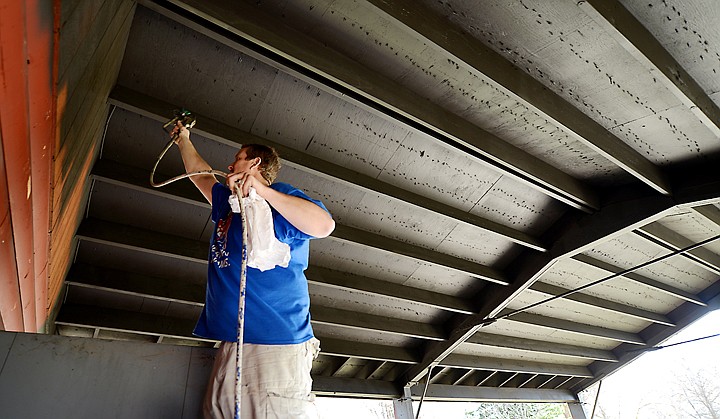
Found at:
(194, 162)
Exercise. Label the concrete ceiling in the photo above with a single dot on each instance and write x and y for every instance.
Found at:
(477, 158)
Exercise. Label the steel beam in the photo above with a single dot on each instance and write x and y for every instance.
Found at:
(98, 318)
(105, 232)
(709, 211)
(101, 278)
(377, 241)
(88, 276)
(160, 288)
(573, 327)
(363, 321)
(352, 387)
(125, 321)
(337, 347)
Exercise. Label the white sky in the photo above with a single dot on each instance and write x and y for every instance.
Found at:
(645, 384)
(640, 385)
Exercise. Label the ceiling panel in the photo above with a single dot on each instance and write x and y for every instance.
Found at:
(478, 160)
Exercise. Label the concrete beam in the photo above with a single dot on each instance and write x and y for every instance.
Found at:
(655, 334)
(281, 46)
(156, 109)
(440, 392)
(465, 48)
(127, 177)
(574, 235)
(669, 289)
(488, 339)
(642, 45)
(673, 241)
(343, 280)
(505, 365)
(552, 290)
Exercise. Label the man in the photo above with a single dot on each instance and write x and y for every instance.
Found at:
(279, 345)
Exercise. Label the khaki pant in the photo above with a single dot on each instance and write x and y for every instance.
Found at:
(276, 382)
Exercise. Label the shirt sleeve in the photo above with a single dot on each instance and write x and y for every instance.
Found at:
(284, 231)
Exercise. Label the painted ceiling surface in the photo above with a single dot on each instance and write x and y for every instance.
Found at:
(479, 159)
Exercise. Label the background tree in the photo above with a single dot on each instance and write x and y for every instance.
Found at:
(697, 394)
(517, 411)
(384, 410)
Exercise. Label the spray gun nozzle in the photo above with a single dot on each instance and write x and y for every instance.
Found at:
(185, 117)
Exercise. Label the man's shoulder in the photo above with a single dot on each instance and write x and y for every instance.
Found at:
(283, 187)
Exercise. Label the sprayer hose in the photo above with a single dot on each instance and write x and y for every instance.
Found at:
(243, 267)
(184, 175)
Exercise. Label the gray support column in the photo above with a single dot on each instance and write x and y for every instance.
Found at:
(576, 410)
(403, 406)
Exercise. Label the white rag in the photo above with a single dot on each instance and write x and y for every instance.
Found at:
(265, 251)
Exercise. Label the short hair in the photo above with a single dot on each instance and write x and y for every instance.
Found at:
(269, 159)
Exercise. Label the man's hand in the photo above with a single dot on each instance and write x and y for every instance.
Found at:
(245, 181)
(179, 133)
(193, 161)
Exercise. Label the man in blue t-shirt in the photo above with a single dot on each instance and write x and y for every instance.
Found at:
(278, 340)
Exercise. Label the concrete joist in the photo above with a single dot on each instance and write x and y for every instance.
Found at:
(531, 345)
(669, 289)
(474, 362)
(673, 241)
(127, 176)
(476, 55)
(552, 290)
(328, 67)
(613, 221)
(642, 45)
(440, 392)
(655, 334)
(343, 280)
(156, 109)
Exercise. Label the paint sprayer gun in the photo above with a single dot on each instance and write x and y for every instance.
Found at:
(185, 117)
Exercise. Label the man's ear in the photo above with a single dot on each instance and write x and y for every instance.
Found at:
(258, 160)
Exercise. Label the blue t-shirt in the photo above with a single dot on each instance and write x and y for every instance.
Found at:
(277, 302)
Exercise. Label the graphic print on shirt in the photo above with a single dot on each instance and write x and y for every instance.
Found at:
(220, 255)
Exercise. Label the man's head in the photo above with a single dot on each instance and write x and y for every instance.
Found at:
(262, 157)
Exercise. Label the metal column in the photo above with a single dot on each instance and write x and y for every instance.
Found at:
(576, 410)
(403, 406)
